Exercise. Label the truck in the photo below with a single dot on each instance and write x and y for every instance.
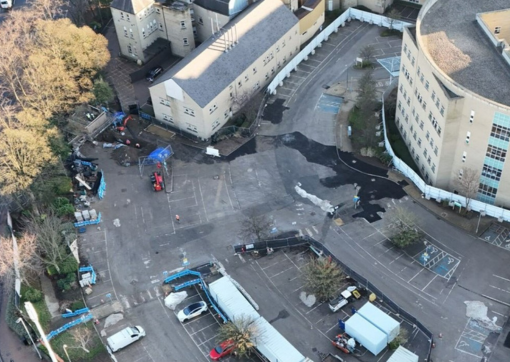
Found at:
(125, 337)
(6, 4)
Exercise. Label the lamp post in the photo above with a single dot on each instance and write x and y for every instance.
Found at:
(29, 336)
(35, 318)
(65, 350)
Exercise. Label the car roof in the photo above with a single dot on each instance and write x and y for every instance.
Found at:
(197, 304)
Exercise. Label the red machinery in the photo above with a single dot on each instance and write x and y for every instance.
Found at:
(344, 343)
(122, 126)
(157, 181)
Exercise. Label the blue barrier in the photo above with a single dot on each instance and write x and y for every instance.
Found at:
(188, 284)
(90, 222)
(65, 327)
(102, 186)
(182, 274)
(84, 269)
(204, 288)
(75, 313)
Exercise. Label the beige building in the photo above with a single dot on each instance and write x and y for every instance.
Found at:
(453, 106)
(201, 92)
(141, 23)
(311, 18)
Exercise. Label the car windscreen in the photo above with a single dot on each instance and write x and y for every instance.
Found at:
(218, 349)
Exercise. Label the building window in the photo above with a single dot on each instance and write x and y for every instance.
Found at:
(427, 85)
(277, 48)
(431, 143)
(213, 108)
(464, 155)
(130, 50)
(125, 32)
(127, 17)
(246, 78)
(254, 70)
(500, 132)
(215, 124)
(183, 25)
(239, 84)
(414, 135)
(433, 95)
(200, 20)
(283, 44)
(424, 104)
(421, 125)
(225, 115)
(436, 150)
(161, 26)
(419, 142)
(492, 173)
(442, 111)
(428, 135)
(143, 32)
(425, 152)
(429, 160)
(185, 41)
(422, 78)
(497, 30)
(191, 127)
(257, 85)
(496, 153)
(231, 95)
(472, 117)
(168, 118)
(487, 191)
(433, 168)
(267, 76)
(122, 15)
(412, 61)
(189, 111)
(468, 137)
(405, 48)
(419, 71)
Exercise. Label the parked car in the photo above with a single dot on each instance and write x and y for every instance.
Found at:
(192, 311)
(125, 337)
(223, 349)
(154, 73)
(345, 297)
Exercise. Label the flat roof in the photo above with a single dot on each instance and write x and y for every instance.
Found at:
(208, 69)
(460, 48)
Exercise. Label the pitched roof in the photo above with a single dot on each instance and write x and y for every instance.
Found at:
(224, 7)
(131, 6)
(208, 69)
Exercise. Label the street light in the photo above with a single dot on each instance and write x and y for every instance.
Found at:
(35, 318)
(29, 336)
(65, 350)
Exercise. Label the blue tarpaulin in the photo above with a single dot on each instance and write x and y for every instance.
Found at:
(160, 154)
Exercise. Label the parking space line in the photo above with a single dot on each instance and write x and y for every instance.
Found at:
(185, 198)
(497, 276)
(314, 308)
(422, 269)
(200, 330)
(270, 266)
(208, 340)
(283, 271)
(284, 253)
(501, 289)
(431, 280)
(301, 287)
(398, 257)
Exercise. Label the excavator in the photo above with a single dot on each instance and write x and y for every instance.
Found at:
(122, 126)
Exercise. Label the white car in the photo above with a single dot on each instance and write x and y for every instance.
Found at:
(192, 311)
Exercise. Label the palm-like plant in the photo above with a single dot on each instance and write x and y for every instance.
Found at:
(241, 332)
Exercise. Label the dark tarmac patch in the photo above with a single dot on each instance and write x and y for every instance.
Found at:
(352, 161)
(274, 111)
(372, 188)
(248, 148)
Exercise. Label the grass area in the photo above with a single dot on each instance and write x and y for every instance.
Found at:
(76, 353)
(40, 307)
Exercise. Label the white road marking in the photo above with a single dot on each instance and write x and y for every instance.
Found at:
(431, 280)
(497, 276)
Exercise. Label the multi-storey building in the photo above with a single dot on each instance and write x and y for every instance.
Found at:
(453, 105)
(200, 93)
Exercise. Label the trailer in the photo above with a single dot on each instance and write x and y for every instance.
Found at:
(381, 320)
(366, 334)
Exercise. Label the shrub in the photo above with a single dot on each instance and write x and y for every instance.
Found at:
(32, 295)
(65, 284)
(77, 305)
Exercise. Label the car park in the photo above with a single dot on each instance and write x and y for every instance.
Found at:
(154, 73)
(192, 311)
(223, 349)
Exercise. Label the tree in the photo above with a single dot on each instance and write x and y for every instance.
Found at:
(103, 93)
(468, 184)
(50, 242)
(323, 277)
(255, 226)
(243, 334)
(407, 233)
(367, 54)
(25, 257)
(82, 336)
(393, 15)
(23, 154)
(367, 92)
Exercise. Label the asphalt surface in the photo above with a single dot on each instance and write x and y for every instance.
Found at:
(139, 242)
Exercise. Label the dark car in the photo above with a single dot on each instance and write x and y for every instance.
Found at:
(154, 73)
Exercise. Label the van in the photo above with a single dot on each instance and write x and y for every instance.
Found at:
(125, 337)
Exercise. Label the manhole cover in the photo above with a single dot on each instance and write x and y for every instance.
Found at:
(444, 214)
(217, 177)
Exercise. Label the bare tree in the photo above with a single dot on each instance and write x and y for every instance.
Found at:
(404, 223)
(50, 242)
(468, 184)
(393, 15)
(23, 256)
(255, 226)
(367, 53)
(82, 336)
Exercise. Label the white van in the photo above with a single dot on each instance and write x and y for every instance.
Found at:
(125, 337)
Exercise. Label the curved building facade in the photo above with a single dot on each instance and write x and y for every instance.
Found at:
(453, 105)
